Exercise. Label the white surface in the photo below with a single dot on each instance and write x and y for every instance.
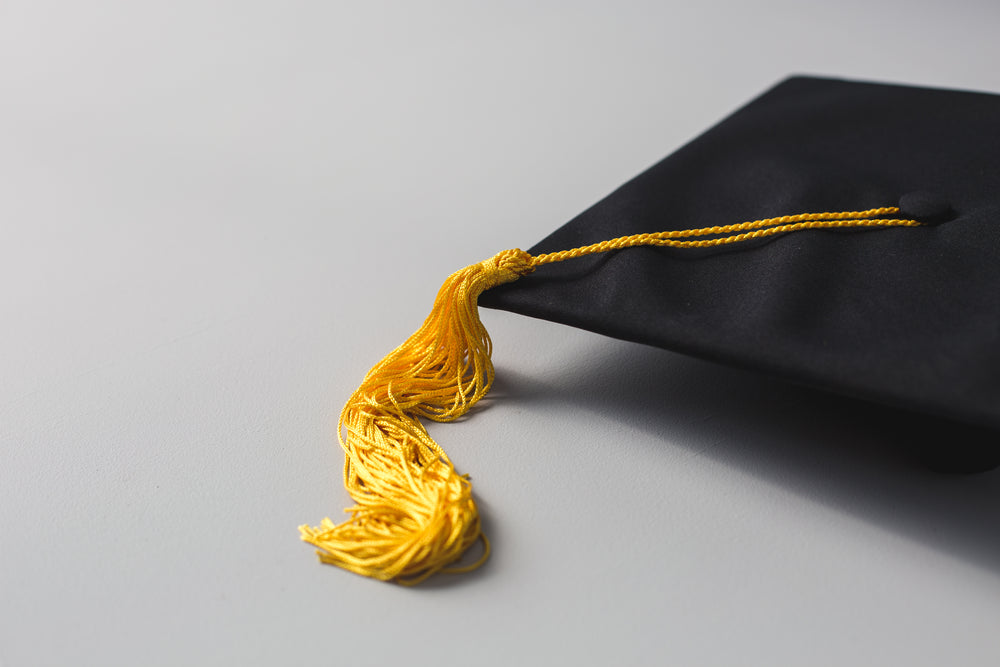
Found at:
(216, 216)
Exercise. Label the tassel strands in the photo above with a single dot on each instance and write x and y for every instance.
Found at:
(414, 515)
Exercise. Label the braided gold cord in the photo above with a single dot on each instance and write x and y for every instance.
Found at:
(751, 230)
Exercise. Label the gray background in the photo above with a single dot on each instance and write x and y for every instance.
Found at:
(215, 216)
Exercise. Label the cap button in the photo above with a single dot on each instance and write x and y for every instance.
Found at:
(925, 206)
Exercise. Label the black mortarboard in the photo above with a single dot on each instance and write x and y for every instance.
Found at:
(906, 314)
(908, 317)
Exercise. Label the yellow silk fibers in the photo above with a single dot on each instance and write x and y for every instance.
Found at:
(414, 515)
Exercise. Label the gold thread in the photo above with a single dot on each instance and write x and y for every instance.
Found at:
(750, 230)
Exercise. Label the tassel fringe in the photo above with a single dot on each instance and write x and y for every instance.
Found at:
(414, 514)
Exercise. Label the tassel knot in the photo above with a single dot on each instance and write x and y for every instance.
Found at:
(509, 265)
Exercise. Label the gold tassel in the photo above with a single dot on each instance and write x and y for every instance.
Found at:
(414, 514)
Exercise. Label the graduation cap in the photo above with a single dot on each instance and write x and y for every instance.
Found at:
(837, 234)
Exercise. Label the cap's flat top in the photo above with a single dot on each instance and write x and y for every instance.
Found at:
(216, 216)
(909, 317)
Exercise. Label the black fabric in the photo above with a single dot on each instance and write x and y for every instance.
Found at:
(907, 316)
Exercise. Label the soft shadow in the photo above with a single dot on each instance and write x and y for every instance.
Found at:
(892, 468)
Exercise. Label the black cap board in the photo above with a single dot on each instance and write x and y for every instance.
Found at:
(908, 317)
